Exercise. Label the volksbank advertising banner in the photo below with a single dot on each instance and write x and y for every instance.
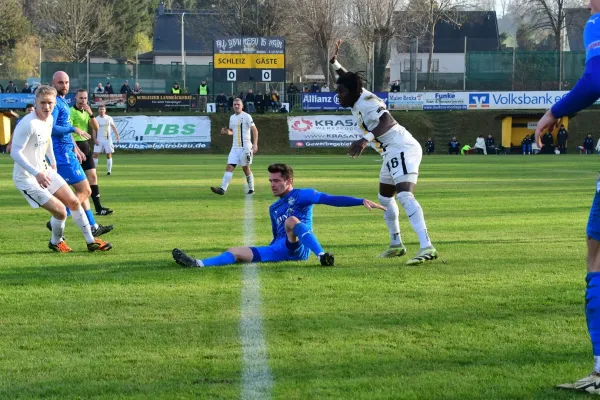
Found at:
(540, 100)
(323, 131)
(155, 133)
(328, 101)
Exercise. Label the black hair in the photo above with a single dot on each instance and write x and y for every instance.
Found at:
(286, 171)
(80, 91)
(29, 105)
(353, 81)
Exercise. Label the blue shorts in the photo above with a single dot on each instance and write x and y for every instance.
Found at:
(593, 225)
(70, 170)
(279, 251)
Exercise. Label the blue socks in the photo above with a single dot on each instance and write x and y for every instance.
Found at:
(592, 309)
(68, 212)
(222, 259)
(307, 238)
(90, 217)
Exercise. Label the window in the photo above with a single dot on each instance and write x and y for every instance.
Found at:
(418, 65)
(435, 65)
(407, 65)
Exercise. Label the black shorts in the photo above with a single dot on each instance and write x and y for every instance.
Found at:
(86, 149)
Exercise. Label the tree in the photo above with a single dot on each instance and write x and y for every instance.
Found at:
(130, 18)
(75, 26)
(22, 62)
(251, 17)
(14, 25)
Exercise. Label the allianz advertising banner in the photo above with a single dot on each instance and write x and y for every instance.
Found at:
(328, 101)
(155, 133)
(323, 131)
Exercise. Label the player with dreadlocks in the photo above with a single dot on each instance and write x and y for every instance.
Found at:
(401, 159)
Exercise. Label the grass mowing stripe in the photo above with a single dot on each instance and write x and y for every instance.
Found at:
(256, 379)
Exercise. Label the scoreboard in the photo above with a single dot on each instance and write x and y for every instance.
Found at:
(249, 58)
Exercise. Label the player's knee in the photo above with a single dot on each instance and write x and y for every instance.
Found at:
(405, 198)
(60, 212)
(73, 203)
(290, 223)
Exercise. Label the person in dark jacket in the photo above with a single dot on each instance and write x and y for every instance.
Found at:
(588, 144)
(260, 102)
(429, 146)
(221, 101)
(526, 144)
(125, 88)
(547, 143)
(490, 144)
(108, 89)
(453, 146)
(395, 87)
(561, 139)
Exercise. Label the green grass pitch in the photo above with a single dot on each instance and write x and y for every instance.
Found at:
(498, 316)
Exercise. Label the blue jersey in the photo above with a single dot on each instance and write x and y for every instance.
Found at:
(297, 203)
(591, 37)
(62, 140)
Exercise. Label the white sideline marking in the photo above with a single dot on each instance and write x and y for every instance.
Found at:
(257, 380)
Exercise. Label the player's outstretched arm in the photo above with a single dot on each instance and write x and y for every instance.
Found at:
(333, 60)
(347, 201)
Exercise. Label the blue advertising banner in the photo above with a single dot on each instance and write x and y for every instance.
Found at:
(13, 101)
(328, 101)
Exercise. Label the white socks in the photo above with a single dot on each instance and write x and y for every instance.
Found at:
(95, 162)
(109, 165)
(391, 219)
(58, 230)
(415, 216)
(226, 180)
(82, 222)
(250, 180)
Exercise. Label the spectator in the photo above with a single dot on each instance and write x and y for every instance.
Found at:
(453, 146)
(325, 88)
(466, 149)
(429, 146)
(99, 89)
(490, 144)
(294, 97)
(250, 101)
(315, 88)
(230, 101)
(547, 143)
(125, 89)
(108, 89)
(203, 93)
(11, 88)
(588, 144)
(480, 145)
(1, 89)
(526, 145)
(221, 101)
(275, 103)
(176, 89)
(260, 102)
(137, 89)
(395, 87)
(561, 139)
(305, 89)
(293, 89)
(26, 88)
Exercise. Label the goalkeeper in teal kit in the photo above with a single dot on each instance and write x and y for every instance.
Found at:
(291, 222)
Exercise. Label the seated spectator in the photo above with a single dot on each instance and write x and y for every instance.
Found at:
(11, 88)
(26, 88)
(429, 146)
(305, 89)
(230, 101)
(221, 101)
(99, 89)
(125, 88)
(526, 144)
(250, 101)
(588, 144)
(480, 145)
(315, 88)
(453, 146)
(325, 88)
(275, 103)
(490, 144)
(137, 89)
(260, 103)
(108, 89)
(395, 87)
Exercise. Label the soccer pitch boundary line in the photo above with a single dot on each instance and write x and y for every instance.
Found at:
(257, 380)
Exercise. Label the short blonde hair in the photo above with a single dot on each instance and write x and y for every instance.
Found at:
(44, 90)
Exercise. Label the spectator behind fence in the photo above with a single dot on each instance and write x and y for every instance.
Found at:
(137, 89)
(395, 87)
(275, 103)
(230, 101)
(260, 102)
(125, 88)
(99, 89)
(306, 89)
(26, 88)
(293, 95)
(547, 143)
(203, 93)
(526, 145)
(176, 89)
(480, 145)
(325, 88)
(221, 101)
(1, 89)
(453, 146)
(108, 89)
(561, 139)
(588, 144)
(11, 88)
(315, 88)
(429, 146)
(293, 88)
(250, 102)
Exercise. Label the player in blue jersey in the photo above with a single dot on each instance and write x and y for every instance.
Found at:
(68, 156)
(583, 95)
(291, 222)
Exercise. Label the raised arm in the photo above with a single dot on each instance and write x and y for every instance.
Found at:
(334, 62)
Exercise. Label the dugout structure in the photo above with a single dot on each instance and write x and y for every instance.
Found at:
(5, 126)
(517, 125)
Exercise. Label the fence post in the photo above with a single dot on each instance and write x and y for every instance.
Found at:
(513, 69)
(465, 71)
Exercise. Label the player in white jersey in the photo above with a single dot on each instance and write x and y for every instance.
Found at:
(39, 182)
(242, 149)
(103, 138)
(401, 159)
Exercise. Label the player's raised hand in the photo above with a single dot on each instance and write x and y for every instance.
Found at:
(369, 205)
(43, 179)
(335, 51)
(547, 122)
(357, 147)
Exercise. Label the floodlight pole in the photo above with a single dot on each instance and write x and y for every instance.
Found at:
(182, 52)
